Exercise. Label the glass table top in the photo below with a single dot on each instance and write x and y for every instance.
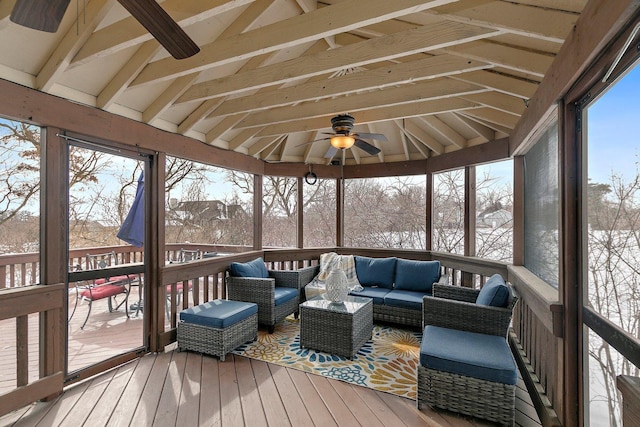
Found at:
(351, 304)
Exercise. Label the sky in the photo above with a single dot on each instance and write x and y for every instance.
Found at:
(614, 130)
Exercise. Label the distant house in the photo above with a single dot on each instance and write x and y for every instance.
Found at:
(495, 219)
(205, 211)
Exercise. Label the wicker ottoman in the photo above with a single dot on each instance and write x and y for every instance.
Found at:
(217, 327)
(467, 372)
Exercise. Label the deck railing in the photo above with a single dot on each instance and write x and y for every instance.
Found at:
(18, 304)
(180, 285)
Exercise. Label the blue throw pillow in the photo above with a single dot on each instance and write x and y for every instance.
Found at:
(417, 276)
(375, 271)
(494, 293)
(255, 268)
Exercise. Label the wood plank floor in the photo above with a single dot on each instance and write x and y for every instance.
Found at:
(187, 389)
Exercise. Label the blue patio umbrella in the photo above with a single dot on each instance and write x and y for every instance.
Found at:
(132, 230)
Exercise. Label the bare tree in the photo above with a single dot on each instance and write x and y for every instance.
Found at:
(614, 280)
(494, 226)
(448, 211)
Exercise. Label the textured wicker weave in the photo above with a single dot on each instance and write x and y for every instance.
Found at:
(403, 315)
(336, 329)
(398, 315)
(216, 341)
(261, 292)
(454, 307)
(466, 395)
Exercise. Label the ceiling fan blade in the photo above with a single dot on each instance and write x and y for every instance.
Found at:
(330, 152)
(365, 146)
(376, 136)
(158, 22)
(43, 15)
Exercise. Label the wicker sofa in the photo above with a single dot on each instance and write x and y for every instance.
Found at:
(397, 287)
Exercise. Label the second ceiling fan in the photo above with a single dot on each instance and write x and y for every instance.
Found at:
(342, 137)
(46, 15)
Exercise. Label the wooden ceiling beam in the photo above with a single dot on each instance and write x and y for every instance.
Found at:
(119, 83)
(421, 136)
(261, 145)
(509, 57)
(432, 89)
(418, 145)
(241, 138)
(441, 129)
(167, 97)
(181, 84)
(417, 40)
(498, 101)
(497, 128)
(72, 41)
(501, 118)
(534, 22)
(128, 32)
(395, 74)
(223, 126)
(509, 85)
(374, 115)
(290, 32)
(482, 131)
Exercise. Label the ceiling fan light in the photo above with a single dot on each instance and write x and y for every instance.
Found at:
(342, 141)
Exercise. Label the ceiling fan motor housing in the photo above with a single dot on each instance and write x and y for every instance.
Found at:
(342, 123)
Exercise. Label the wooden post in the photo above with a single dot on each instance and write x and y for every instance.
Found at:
(630, 389)
(154, 249)
(469, 220)
(300, 212)
(257, 212)
(518, 210)
(54, 181)
(429, 211)
(571, 361)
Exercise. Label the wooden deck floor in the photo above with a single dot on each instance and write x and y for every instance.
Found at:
(188, 389)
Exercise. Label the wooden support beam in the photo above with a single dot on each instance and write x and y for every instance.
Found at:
(579, 50)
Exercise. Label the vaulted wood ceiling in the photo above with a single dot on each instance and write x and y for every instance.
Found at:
(433, 76)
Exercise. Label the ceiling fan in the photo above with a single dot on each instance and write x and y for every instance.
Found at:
(46, 15)
(342, 137)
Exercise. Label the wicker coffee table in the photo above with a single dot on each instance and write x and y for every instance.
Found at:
(336, 328)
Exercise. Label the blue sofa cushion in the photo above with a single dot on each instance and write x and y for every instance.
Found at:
(376, 271)
(417, 276)
(377, 294)
(405, 299)
(283, 294)
(494, 293)
(486, 357)
(218, 313)
(255, 268)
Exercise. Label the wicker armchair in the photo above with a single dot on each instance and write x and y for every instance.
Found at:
(454, 307)
(262, 291)
(468, 337)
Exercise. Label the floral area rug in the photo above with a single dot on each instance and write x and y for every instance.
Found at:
(388, 362)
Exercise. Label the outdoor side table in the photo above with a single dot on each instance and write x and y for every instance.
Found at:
(336, 328)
